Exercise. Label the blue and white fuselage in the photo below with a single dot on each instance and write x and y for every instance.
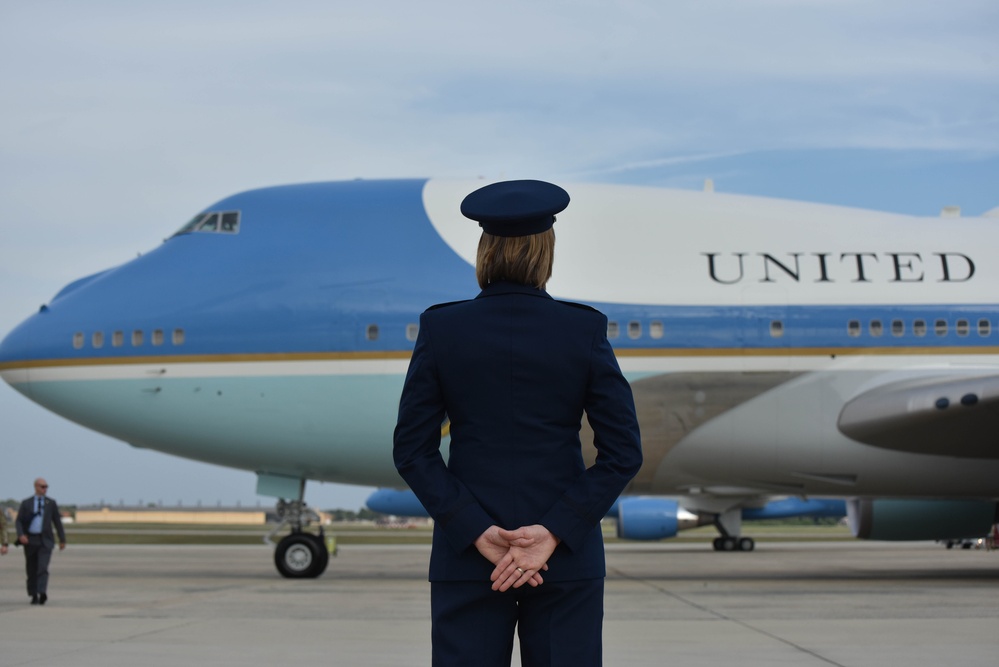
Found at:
(774, 347)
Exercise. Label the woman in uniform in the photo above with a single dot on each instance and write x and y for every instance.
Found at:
(517, 540)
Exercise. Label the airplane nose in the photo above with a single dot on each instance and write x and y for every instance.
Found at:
(54, 333)
(16, 353)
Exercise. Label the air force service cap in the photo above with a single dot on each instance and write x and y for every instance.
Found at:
(515, 208)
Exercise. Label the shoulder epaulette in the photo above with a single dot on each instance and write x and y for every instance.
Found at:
(437, 306)
(582, 306)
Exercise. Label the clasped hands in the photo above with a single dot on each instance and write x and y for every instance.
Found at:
(519, 555)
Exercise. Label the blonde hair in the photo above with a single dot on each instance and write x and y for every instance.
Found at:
(520, 259)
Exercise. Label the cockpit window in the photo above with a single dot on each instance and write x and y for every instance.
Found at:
(229, 222)
(225, 222)
(209, 224)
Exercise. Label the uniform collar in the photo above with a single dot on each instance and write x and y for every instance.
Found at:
(504, 287)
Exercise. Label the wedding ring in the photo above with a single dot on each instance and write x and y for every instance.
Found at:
(521, 570)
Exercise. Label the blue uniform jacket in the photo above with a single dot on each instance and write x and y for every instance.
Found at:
(514, 370)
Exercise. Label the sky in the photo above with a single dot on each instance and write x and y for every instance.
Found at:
(119, 120)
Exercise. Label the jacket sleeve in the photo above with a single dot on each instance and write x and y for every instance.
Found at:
(417, 455)
(610, 409)
(57, 520)
(23, 518)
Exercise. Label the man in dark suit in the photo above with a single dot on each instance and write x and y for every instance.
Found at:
(517, 540)
(35, 518)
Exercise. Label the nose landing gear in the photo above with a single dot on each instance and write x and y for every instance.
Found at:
(299, 555)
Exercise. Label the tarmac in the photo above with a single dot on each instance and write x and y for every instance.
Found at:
(851, 604)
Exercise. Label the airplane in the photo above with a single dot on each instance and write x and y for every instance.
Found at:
(776, 349)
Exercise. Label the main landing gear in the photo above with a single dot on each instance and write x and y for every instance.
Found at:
(299, 555)
(729, 543)
(729, 524)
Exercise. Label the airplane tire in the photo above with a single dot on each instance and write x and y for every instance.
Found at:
(726, 544)
(324, 555)
(300, 556)
(746, 544)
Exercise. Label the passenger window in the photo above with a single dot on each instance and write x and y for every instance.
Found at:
(157, 336)
(919, 328)
(412, 331)
(776, 328)
(371, 333)
(853, 329)
(656, 329)
(613, 330)
(897, 328)
(137, 338)
(875, 328)
(940, 327)
(97, 339)
(984, 328)
(962, 327)
(78, 340)
(634, 329)
(117, 339)
(178, 337)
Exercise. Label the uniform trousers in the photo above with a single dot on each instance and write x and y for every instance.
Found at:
(559, 624)
(36, 563)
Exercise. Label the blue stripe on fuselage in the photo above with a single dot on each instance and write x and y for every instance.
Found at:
(692, 327)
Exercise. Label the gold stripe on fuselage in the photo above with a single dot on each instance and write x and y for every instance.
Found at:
(405, 354)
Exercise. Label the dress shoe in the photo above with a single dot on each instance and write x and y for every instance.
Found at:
(42, 597)
(34, 599)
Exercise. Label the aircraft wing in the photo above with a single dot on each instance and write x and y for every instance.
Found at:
(942, 415)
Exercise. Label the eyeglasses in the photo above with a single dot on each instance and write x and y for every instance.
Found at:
(43, 486)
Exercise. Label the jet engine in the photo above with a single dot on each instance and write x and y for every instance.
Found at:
(398, 502)
(653, 518)
(889, 519)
